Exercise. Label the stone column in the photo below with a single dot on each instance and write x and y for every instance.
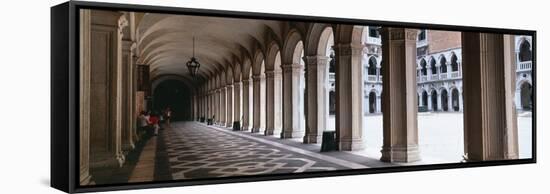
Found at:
(85, 77)
(246, 105)
(378, 104)
(429, 101)
(218, 105)
(291, 101)
(222, 106)
(127, 113)
(400, 133)
(349, 96)
(237, 103)
(229, 105)
(317, 98)
(439, 101)
(270, 102)
(106, 82)
(490, 128)
(256, 87)
(450, 101)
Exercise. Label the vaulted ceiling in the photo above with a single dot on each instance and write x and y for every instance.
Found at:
(165, 41)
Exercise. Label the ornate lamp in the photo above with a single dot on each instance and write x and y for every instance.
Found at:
(193, 65)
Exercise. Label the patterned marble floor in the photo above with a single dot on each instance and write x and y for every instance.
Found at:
(197, 151)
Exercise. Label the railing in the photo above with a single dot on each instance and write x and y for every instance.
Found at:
(526, 65)
(372, 40)
(434, 77)
(371, 78)
(455, 74)
(331, 76)
(443, 76)
(423, 78)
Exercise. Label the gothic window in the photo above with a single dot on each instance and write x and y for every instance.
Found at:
(433, 67)
(525, 51)
(372, 66)
(454, 63)
(374, 31)
(422, 35)
(443, 65)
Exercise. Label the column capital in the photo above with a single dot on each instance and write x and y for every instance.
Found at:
(348, 49)
(237, 84)
(408, 34)
(316, 60)
(257, 77)
(246, 81)
(294, 67)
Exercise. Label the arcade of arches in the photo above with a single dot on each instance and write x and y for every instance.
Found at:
(270, 81)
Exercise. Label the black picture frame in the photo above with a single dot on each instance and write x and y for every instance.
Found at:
(65, 95)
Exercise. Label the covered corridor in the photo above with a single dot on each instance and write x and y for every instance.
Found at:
(263, 84)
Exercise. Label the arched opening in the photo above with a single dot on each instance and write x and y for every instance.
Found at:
(372, 102)
(299, 58)
(423, 68)
(250, 100)
(525, 51)
(372, 66)
(262, 98)
(175, 95)
(433, 67)
(331, 83)
(434, 101)
(425, 99)
(526, 96)
(278, 95)
(444, 100)
(455, 100)
(454, 63)
(443, 65)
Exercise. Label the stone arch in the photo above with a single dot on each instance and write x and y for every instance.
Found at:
(229, 75)
(272, 55)
(293, 43)
(318, 39)
(258, 65)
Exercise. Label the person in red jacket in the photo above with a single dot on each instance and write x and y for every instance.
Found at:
(154, 121)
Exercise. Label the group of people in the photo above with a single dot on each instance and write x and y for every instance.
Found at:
(151, 122)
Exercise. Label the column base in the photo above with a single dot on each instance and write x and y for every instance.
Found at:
(312, 138)
(128, 147)
(268, 132)
(228, 124)
(350, 144)
(400, 154)
(255, 130)
(291, 134)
